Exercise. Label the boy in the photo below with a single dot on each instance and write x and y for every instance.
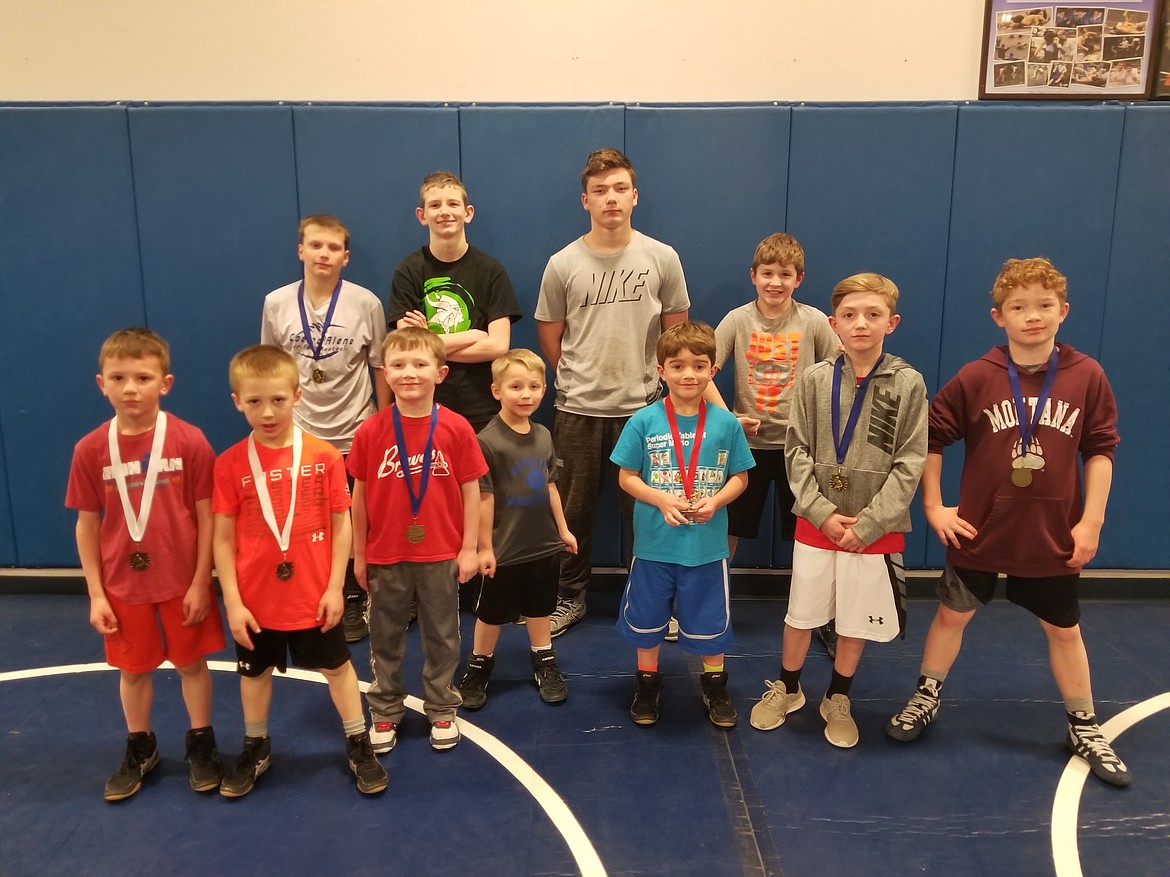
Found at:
(522, 531)
(854, 450)
(141, 486)
(460, 293)
(682, 461)
(282, 539)
(1024, 411)
(334, 330)
(416, 470)
(604, 300)
(771, 341)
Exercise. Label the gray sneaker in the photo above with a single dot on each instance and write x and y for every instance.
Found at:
(569, 611)
(840, 729)
(775, 706)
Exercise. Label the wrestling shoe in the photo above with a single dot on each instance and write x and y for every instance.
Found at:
(204, 769)
(827, 634)
(141, 758)
(548, 676)
(644, 709)
(371, 776)
(1086, 740)
(473, 688)
(921, 710)
(355, 620)
(253, 761)
(719, 709)
(569, 611)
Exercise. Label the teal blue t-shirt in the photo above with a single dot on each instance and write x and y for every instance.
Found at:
(645, 446)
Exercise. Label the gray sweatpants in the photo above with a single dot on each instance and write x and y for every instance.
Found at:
(435, 587)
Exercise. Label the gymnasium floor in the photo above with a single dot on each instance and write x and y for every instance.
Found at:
(578, 788)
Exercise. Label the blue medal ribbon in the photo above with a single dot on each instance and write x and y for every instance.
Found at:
(404, 458)
(316, 350)
(1028, 427)
(842, 444)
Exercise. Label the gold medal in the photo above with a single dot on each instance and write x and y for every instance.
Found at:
(284, 570)
(415, 534)
(839, 482)
(139, 561)
(318, 376)
(1021, 477)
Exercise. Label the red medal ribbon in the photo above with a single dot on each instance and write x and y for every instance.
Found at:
(687, 472)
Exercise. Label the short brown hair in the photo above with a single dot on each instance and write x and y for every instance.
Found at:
(520, 356)
(698, 338)
(325, 220)
(136, 343)
(415, 338)
(1021, 272)
(263, 361)
(779, 249)
(602, 161)
(439, 180)
(867, 282)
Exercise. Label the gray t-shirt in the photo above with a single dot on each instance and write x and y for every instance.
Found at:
(611, 306)
(520, 468)
(769, 356)
(333, 408)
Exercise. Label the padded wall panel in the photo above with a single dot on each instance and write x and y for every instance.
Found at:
(217, 211)
(7, 533)
(522, 167)
(1133, 341)
(1029, 181)
(364, 164)
(870, 190)
(67, 229)
(693, 165)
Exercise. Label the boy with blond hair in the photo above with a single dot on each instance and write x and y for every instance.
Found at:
(1024, 411)
(458, 292)
(854, 449)
(604, 300)
(682, 461)
(416, 470)
(522, 531)
(146, 555)
(334, 330)
(282, 539)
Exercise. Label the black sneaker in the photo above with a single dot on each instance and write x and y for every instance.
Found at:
(827, 634)
(1086, 740)
(355, 620)
(475, 680)
(715, 698)
(204, 769)
(371, 776)
(644, 709)
(549, 679)
(141, 758)
(253, 761)
(922, 709)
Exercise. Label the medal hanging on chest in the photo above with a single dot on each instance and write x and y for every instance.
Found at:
(687, 472)
(138, 559)
(1027, 464)
(415, 532)
(839, 482)
(284, 569)
(316, 349)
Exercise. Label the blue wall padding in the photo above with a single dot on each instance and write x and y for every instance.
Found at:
(184, 217)
(1134, 335)
(71, 276)
(870, 190)
(365, 164)
(217, 210)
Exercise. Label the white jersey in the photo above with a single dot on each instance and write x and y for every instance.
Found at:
(333, 405)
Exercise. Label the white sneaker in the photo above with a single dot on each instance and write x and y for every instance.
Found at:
(569, 611)
(444, 735)
(383, 736)
(671, 630)
(775, 706)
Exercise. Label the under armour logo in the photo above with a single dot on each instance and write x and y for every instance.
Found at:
(878, 620)
(319, 536)
(244, 665)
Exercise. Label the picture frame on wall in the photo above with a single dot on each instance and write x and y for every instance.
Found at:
(1088, 51)
(1161, 70)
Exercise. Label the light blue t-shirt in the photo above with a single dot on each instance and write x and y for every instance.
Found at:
(645, 446)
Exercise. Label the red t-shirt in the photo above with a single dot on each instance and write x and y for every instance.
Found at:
(457, 460)
(171, 533)
(321, 490)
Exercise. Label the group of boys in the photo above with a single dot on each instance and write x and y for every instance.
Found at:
(453, 482)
